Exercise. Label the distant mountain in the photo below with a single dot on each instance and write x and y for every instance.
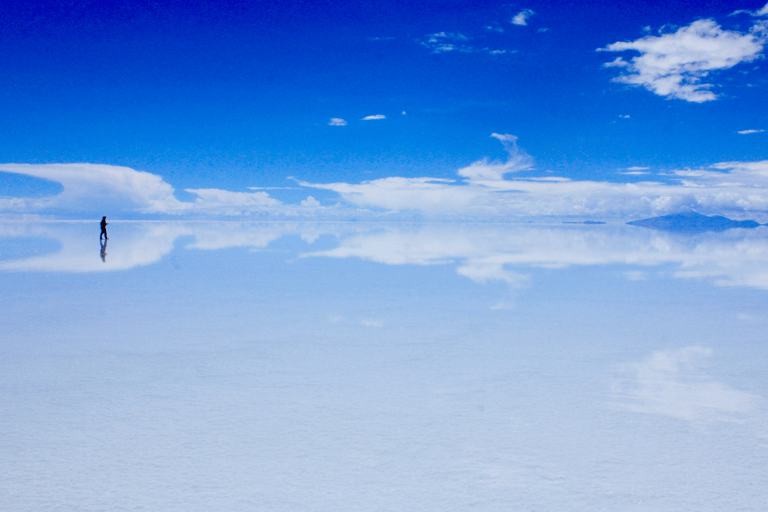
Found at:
(693, 222)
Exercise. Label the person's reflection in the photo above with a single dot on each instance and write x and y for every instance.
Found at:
(103, 250)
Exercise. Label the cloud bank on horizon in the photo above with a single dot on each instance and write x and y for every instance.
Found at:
(483, 190)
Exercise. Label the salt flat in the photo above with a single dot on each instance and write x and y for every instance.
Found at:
(355, 366)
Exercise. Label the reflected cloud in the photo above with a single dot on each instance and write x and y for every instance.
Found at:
(364, 322)
(487, 252)
(136, 244)
(481, 252)
(673, 383)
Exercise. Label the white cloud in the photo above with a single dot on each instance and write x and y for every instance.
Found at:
(760, 12)
(543, 29)
(635, 170)
(365, 322)
(521, 18)
(372, 118)
(517, 160)
(746, 132)
(396, 194)
(337, 121)
(674, 64)
(444, 42)
(224, 202)
(483, 189)
(91, 189)
(672, 383)
(310, 202)
(485, 193)
(624, 116)
(97, 188)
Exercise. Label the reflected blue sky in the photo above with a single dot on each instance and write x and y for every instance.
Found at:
(289, 366)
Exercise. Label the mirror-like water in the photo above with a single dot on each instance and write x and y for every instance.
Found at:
(346, 366)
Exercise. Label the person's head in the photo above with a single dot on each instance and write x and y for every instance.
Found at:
(104, 218)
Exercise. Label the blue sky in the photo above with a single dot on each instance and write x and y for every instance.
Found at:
(240, 95)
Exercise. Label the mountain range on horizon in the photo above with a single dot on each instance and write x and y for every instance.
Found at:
(693, 222)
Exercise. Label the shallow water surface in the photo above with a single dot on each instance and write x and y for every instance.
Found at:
(349, 366)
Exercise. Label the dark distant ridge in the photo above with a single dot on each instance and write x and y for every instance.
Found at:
(692, 222)
(583, 222)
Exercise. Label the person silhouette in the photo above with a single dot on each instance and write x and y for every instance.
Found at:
(103, 229)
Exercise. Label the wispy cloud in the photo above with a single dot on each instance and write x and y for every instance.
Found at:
(636, 170)
(517, 160)
(444, 42)
(674, 64)
(758, 13)
(375, 117)
(636, 275)
(365, 322)
(337, 121)
(521, 18)
(746, 132)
